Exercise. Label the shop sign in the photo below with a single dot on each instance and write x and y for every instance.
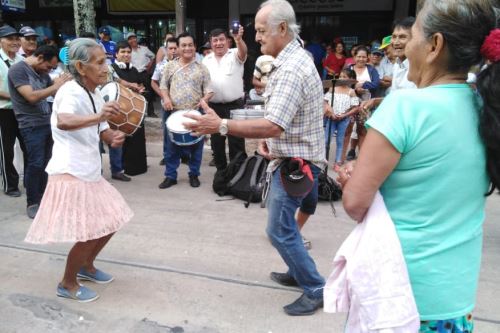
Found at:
(143, 6)
(302, 6)
(318, 6)
(14, 5)
(62, 3)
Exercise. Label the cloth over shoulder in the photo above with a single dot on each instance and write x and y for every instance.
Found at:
(370, 279)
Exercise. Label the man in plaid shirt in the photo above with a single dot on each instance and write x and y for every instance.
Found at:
(293, 126)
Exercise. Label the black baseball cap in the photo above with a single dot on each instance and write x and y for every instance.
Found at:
(296, 176)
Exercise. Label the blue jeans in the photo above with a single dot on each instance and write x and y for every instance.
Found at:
(38, 142)
(339, 126)
(116, 159)
(164, 116)
(284, 234)
(174, 154)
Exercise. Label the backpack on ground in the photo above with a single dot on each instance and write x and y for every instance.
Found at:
(248, 183)
(224, 176)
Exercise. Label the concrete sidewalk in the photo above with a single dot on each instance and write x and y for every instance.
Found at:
(189, 261)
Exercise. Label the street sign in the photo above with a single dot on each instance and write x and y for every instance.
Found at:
(14, 5)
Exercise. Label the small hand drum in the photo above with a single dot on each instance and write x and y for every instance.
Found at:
(132, 107)
(179, 134)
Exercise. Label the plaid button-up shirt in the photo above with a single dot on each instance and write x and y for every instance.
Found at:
(294, 101)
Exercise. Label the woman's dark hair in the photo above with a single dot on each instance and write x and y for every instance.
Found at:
(349, 72)
(464, 25)
(488, 85)
(361, 48)
(47, 52)
(334, 46)
(122, 45)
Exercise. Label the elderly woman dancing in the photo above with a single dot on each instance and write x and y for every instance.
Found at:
(78, 204)
(433, 152)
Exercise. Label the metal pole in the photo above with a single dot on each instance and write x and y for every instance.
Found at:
(180, 16)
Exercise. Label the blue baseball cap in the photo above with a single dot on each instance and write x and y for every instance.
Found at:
(104, 30)
(7, 30)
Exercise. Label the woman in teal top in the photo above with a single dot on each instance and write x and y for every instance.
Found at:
(433, 166)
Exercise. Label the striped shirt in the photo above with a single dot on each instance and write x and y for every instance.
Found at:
(294, 102)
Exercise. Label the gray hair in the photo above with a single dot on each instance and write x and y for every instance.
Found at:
(464, 25)
(80, 50)
(282, 11)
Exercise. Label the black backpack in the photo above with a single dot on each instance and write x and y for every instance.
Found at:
(328, 188)
(224, 176)
(249, 181)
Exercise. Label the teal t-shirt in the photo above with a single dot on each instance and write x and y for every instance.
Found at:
(435, 195)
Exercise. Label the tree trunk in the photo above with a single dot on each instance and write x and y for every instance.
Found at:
(84, 16)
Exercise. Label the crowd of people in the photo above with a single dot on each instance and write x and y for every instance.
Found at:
(389, 107)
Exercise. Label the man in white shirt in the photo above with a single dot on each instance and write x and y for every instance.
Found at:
(143, 60)
(226, 73)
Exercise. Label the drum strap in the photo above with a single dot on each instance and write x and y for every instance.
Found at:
(93, 104)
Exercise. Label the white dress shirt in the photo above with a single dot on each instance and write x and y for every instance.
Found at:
(226, 76)
(141, 57)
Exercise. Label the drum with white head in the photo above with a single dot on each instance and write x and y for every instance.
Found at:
(176, 130)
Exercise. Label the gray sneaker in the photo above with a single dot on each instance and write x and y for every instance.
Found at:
(31, 210)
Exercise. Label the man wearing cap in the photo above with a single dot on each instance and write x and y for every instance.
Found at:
(108, 45)
(29, 86)
(143, 60)
(376, 57)
(386, 64)
(9, 129)
(28, 41)
(293, 126)
(226, 72)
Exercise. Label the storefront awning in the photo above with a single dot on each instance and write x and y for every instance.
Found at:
(140, 7)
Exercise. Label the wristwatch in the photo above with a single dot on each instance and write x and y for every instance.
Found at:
(223, 129)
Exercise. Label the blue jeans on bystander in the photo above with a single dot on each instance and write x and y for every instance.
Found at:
(38, 142)
(284, 234)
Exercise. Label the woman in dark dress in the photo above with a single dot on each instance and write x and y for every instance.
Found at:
(134, 149)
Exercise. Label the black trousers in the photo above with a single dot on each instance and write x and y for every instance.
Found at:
(9, 131)
(218, 141)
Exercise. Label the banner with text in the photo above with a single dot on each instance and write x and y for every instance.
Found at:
(317, 6)
(143, 6)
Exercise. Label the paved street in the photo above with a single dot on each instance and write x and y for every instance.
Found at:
(189, 261)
